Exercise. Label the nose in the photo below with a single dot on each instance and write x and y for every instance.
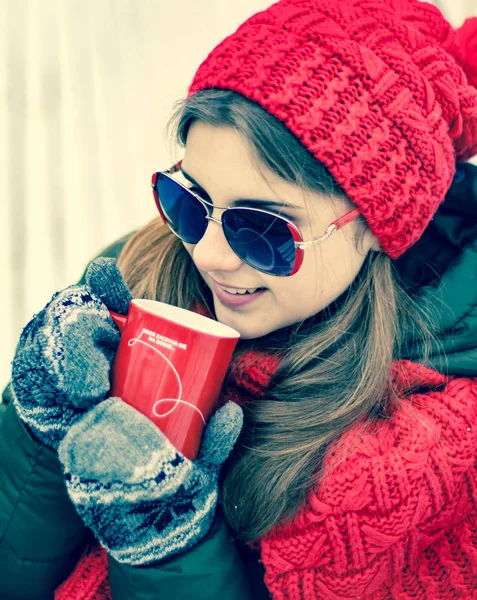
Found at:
(213, 253)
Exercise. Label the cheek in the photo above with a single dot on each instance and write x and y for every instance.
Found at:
(190, 250)
(341, 265)
(310, 279)
(300, 293)
(321, 279)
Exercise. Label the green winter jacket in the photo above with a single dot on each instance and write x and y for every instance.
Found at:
(41, 536)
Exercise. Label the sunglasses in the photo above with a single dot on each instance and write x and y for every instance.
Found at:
(264, 240)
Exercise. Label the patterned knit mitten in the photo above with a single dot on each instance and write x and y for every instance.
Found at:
(142, 498)
(62, 361)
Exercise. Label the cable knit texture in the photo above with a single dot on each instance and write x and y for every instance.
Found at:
(375, 89)
(397, 519)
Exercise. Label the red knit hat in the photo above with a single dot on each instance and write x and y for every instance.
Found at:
(376, 90)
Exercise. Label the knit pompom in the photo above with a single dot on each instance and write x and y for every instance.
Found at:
(467, 39)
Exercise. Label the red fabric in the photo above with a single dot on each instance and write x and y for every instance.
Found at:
(375, 89)
(467, 45)
(397, 518)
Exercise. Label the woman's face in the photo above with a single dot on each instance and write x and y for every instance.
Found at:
(224, 166)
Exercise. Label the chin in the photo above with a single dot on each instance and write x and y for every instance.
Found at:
(248, 336)
(246, 333)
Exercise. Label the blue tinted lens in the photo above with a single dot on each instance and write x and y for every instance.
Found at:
(261, 240)
(184, 214)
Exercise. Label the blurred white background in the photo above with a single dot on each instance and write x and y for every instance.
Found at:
(86, 88)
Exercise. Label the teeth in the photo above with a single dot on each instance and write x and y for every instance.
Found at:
(240, 290)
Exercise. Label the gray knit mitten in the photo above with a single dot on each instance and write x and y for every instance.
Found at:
(144, 500)
(62, 361)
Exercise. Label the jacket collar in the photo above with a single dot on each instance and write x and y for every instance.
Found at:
(449, 249)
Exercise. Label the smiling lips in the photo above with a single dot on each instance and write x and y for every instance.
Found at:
(237, 296)
(239, 290)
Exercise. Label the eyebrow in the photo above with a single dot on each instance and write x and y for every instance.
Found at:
(249, 201)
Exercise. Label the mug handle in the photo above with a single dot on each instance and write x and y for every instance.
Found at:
(119, 320)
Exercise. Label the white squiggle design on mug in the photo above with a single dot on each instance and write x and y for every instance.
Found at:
(177, 401)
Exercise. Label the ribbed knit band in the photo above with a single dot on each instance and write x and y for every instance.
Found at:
(375, 89)
(89, 580)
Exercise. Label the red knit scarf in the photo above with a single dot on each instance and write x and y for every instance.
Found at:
(250, 376)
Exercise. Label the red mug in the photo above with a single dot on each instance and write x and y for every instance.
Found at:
(170, 365)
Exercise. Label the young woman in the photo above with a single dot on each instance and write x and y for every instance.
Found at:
(307, 212)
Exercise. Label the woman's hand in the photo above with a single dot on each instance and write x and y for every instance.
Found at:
(142, 498)
(62, 361)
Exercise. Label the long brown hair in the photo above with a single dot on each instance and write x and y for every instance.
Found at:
(333, 373)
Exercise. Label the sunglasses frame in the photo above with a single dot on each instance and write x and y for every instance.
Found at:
(300, 244)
